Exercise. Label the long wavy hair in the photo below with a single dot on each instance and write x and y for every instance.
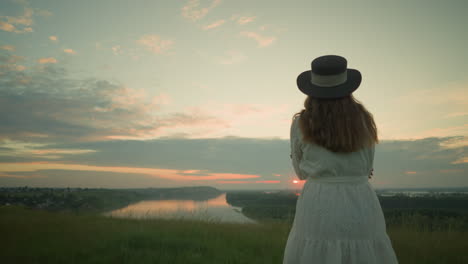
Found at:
(339, 125)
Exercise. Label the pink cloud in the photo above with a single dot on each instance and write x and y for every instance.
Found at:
(410, 172)
(438, 102)
(451, 171)
(8, 47)
(47, 60)
(444, 132)
(169, 174)
(7, 27)
(69, 51)
(215, 24)
(456, 114)
(53, 38)
(10, 63)
(245, 20)
(103, 111)
(262, 41)
(267, 181)
(18, 24)
(20, 67)
(236, 118)
(244, 182)
(25, 149)
(61, 151)
(461, 160)
(194, 12)
(33, 176)
(25, 19)
(156, 44)
(117, 50)
(190, 171)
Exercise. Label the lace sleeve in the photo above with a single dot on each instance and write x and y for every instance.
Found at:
(296, 151)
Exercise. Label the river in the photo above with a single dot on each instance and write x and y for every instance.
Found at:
(216, 210)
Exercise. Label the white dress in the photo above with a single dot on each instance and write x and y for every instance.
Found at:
(338, 215)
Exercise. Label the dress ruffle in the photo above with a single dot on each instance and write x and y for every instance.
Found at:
(338, 223)
(366, 251)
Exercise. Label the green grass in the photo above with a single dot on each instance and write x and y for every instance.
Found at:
(35, 236)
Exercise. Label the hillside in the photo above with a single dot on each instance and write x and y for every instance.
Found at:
(37, 236)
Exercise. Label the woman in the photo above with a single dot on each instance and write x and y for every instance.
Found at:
(338, 215)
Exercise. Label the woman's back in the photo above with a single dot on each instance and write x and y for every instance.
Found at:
(338, 215)
(319, 162)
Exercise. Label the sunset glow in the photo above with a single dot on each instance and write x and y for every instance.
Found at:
(153, 172)
(202, 92)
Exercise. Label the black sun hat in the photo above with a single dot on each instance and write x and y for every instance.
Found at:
(329, 78)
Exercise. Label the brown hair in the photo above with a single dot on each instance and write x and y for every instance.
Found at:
(340, 125)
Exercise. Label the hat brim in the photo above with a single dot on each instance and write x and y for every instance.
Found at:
(353, 80)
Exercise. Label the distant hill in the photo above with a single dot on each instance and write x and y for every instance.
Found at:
(197, 193)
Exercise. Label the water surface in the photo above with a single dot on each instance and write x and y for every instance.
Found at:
(216, 209)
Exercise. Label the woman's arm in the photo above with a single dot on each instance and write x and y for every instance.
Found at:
(296, 151)
(371, 161)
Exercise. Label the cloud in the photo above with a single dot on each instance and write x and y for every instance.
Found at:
(36, 150)
(461, 160)
(446, 131)
(117, 50)
(412, 163)
(242, 115)
(435, 111)
(10, 63)
(440, 101)
(169, 174)
(8, 47)
(53, 38)
(47, 60)
(18, 24)
(246, 182)
(46, 105)
(215, 24)
(156, 44)
(245, 20)
(194, 12)
(69, 51)
(262, 41)
(456, 114)
(397, 163)
(7, 27)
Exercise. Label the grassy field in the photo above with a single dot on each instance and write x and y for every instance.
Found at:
(36, 236)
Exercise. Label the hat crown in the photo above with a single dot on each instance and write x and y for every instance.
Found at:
(329, 65)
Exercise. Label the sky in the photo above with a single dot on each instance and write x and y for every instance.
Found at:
(136, 94)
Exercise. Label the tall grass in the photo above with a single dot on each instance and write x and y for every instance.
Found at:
(34, 236)
(31, 236)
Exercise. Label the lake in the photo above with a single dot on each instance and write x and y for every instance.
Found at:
(216, 209)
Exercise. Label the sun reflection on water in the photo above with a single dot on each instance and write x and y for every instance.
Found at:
(216, 209)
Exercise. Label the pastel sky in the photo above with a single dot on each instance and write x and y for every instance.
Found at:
(124, 94)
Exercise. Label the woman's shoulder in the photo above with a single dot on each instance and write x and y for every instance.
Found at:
(295, 129)
(296, 119)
